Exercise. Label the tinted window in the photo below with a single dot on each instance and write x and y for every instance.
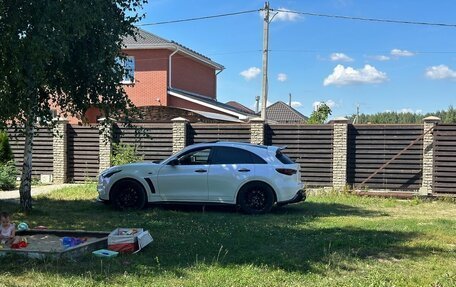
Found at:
(231, 155)
(195, 157)
(283, 158)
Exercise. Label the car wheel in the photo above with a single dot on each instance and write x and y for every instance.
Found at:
(128, 194)
(256, 198)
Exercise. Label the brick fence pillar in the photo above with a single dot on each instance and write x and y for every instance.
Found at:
(340, 139)
(105, 145)
(257, 131)
(59, 153)
(428, 155)
(179, 133)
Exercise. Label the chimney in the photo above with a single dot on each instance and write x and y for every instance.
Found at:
(289, 99)
(257, 105)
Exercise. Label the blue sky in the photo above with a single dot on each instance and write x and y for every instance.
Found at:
(378, 66)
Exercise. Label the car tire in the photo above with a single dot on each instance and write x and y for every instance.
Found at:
(256, 198)
(128, 194)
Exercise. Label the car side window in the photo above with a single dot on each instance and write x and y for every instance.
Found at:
(231, 155)
(195, 157)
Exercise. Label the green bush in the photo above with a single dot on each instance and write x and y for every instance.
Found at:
(8, 174)
(6, 154)
(123, 154)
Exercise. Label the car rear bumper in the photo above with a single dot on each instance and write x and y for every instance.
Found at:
(299, 196)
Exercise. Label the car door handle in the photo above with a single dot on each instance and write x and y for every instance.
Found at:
(201, 170)
(244, 170)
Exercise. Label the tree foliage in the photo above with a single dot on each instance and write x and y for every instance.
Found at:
(6, 154)
(320, 115)
(61, 55)
(123, 154)
(447, 116)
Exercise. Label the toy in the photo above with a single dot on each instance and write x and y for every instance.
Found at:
(22, 226)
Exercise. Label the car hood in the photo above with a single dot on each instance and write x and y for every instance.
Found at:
(132, 166)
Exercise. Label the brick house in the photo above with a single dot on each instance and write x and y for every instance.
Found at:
(166, 74)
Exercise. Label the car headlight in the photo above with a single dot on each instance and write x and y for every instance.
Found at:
(110, 173)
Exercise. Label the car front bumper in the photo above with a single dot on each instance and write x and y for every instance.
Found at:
(299, 196)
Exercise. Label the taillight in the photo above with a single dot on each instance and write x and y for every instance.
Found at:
(286, 171)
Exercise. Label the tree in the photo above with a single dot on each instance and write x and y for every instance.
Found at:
(61, 55)
(320, 115)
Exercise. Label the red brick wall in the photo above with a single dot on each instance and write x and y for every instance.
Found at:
(151, 69)
(193, 76)
(151, 80)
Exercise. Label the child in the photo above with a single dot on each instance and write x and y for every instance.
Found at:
(8, 230)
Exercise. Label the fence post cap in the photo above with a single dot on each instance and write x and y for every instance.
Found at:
(179, 119)
(100, 120)
(60, 120)
(432, 119)
(340, 120)
(257, 120)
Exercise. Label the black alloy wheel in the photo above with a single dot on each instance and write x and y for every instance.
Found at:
(128, 194)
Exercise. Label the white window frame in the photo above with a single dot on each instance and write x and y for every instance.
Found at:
(129, 59)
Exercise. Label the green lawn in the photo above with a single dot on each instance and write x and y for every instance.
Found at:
(329, 240)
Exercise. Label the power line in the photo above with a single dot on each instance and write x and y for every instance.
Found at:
(199, 18)
(367, 19)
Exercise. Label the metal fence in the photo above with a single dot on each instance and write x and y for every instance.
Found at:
(444, 180)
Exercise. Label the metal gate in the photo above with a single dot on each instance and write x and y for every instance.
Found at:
(444, 181)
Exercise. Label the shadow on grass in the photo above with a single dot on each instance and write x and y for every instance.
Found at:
(186, 237)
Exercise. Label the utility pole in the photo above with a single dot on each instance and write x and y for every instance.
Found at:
(264, 99)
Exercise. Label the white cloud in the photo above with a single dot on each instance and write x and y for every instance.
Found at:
(342, 76)
(409, 110)
(250, 73)
(381, 58)
(296, 104)
(281, 77)
(401, 53)
(330, 103)
(405, 111)
(340, 57)
(283, 15)
(440, 72)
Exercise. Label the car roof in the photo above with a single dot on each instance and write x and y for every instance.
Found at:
(231, 144)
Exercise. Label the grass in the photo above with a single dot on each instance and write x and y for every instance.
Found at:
(329, 240)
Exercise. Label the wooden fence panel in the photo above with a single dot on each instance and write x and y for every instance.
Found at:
(42, 160)
(83, 153)
(309, 145)
(199, 133)
(370, 146)
(152, 141)
(444, 181)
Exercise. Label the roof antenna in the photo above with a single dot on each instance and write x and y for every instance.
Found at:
(289, 99)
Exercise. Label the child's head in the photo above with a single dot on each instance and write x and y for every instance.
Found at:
(5, 219)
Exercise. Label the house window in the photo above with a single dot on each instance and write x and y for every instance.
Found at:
(129, 66)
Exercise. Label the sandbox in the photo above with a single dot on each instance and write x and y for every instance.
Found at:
(46, 243)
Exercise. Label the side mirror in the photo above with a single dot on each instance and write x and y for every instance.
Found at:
(174, 162)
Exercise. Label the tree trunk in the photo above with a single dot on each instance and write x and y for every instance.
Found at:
(26, 178)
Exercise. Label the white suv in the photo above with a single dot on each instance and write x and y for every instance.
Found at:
(251, 176)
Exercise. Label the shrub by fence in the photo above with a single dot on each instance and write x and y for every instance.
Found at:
(152, 141)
